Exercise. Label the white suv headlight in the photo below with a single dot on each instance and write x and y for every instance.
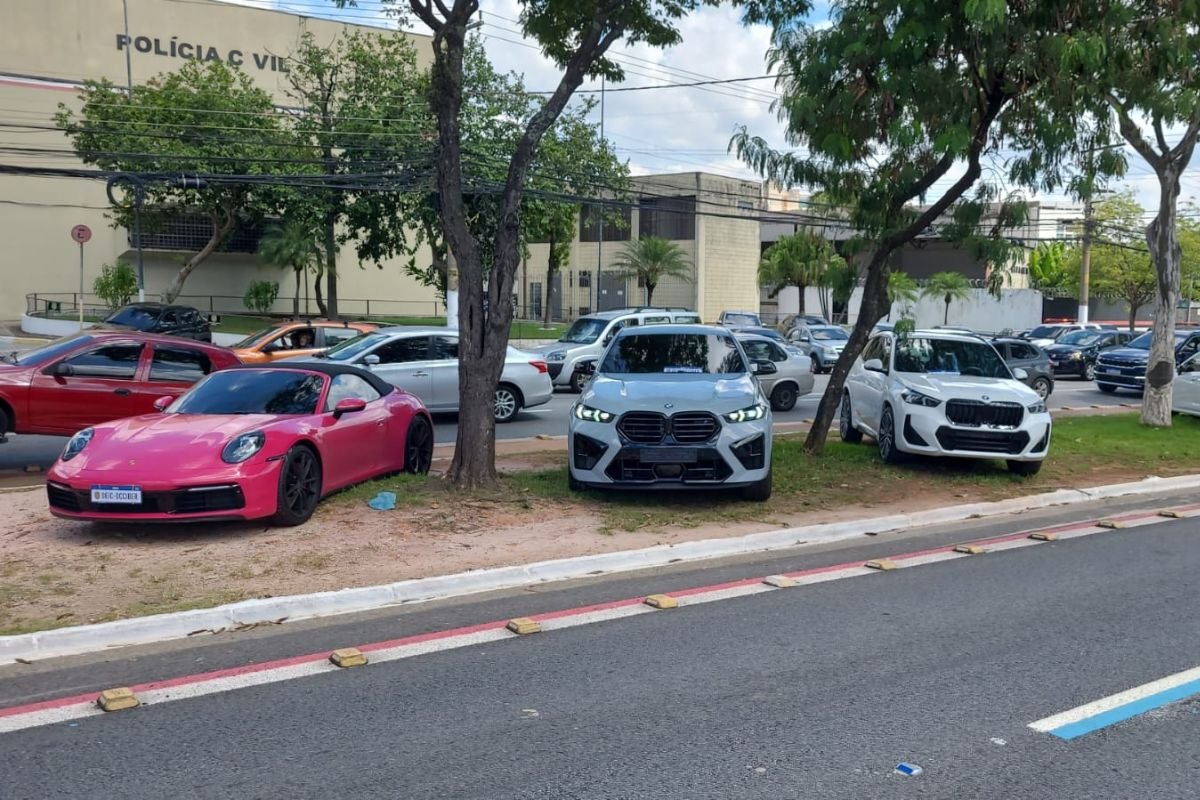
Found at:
(1037, 408)
(748, 414)
(557, 355)
(589, 414)
(913, 397)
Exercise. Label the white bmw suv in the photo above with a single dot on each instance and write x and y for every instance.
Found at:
(673, 407)
(944, 394)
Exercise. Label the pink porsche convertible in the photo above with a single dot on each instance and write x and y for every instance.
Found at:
(244, 443)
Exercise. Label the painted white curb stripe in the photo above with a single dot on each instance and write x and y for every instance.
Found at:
(163, 627)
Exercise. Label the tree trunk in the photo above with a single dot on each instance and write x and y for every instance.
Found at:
(1166, 254)
(331, 264)
(946, 316)
(650, 293)
(1133, 316)
(221, 230)
(318, 295)
(296, 299)
(551, 269)
(800, 287)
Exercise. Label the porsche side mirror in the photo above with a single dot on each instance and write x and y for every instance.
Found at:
(348, 406)
(162, 403)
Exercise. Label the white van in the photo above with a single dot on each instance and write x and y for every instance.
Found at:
(588, 336)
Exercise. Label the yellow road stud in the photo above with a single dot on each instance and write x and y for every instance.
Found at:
(1171, 514)
(779, 581)
(881, 563)
(348, 657)
(117, 699)
(523, 626)
(1109, 523)
(661, 601)
(1044, 537)
(969, 549)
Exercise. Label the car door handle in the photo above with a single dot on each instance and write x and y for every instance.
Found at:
(420, 374)
(122, 392)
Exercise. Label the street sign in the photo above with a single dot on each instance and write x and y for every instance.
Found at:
(81, 233)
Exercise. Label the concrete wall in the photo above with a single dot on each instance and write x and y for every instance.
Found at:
(47, 46)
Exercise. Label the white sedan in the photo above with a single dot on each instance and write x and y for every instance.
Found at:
(1185, 395)
(424, 362)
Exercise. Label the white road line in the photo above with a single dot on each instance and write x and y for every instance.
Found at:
(1120, 706)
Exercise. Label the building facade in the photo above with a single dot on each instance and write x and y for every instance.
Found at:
(713, 219)
(47, 48)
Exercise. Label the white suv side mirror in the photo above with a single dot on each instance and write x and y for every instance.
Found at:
(1020, 373)
(873, 365)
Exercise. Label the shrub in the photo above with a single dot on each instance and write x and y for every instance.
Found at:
(261, 296)
(116, 285)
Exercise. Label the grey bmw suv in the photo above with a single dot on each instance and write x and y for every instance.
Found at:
(673, 407)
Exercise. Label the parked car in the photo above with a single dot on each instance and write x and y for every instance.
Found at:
(246, 443)
(881, 327)
(794, 371)
(424, 362)
(791, 323)
(822, 343)
(1185, 394)
(944, 394)
(586, 339)
(1075, 353)
(675, 407)
(168, 320)
(1046, 335)
(1125, 367)
(297, 338)
(771, 334)
(97, 376)
(739, 319)
(1039, 373)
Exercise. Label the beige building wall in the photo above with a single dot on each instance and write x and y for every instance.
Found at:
(46, 48)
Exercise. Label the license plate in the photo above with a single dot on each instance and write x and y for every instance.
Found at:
(668, 455)
(125, 495)
(1109, 370)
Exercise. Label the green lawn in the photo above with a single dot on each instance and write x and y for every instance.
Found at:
(1085, 451)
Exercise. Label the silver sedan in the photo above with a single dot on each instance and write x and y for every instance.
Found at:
(793, 376)
(424, 362)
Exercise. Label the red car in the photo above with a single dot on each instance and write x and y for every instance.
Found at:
(245, 443)
(83, 380)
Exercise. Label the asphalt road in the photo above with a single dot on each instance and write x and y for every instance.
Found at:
(41, 451)
(816, 692)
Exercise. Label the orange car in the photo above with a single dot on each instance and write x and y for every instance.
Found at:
(297, 338)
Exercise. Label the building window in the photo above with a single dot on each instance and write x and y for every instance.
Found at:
(616, 223)
(191, 232)
(585, 280)
(745, 205)
(668, 217)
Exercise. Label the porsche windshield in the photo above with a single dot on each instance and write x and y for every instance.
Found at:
(244, 391)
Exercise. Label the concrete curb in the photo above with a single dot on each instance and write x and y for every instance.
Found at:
(162, 627)
(8, 341)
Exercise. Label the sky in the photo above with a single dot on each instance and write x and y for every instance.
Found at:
(681, 129)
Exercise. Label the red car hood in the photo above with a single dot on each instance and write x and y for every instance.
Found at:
(173, 442)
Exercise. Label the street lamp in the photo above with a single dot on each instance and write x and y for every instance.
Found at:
(139, 184)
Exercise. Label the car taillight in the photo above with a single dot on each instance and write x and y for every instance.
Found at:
(812, 365)
(540, 366)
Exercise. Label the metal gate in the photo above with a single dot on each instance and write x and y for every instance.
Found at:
(612, 291)
(555, 300)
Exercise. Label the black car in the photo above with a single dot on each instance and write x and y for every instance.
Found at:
(1031, 358)
(1075, 353)
(1125, 367)
(170, 320)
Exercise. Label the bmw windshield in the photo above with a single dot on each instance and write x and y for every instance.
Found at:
(949, 357)
(674, 353)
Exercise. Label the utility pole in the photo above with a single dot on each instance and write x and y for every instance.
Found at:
(137, 206)
(1085, 256)
(600, 238)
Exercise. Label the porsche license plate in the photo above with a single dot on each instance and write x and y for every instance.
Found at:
(125, 495)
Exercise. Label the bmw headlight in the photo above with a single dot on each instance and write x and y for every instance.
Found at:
(77, 443)
(589, 414)
(243, 447)
(1037, 408)
(748, 414)
(557, 355)
(915, 398)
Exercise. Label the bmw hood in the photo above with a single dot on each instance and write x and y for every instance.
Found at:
(970, 387)
(672, 393)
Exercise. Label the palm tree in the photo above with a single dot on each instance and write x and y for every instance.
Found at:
(652, 258)
(949, 286)
(295, 246)
(799, 259)
(901, 289)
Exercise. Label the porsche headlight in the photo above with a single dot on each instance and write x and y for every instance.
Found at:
(1037, 408)
(77, 443)
(913, 397)
(748, 414)
(589, 414)
(243, 447)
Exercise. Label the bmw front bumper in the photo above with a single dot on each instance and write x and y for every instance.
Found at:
(738, 455)
(932, 434)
